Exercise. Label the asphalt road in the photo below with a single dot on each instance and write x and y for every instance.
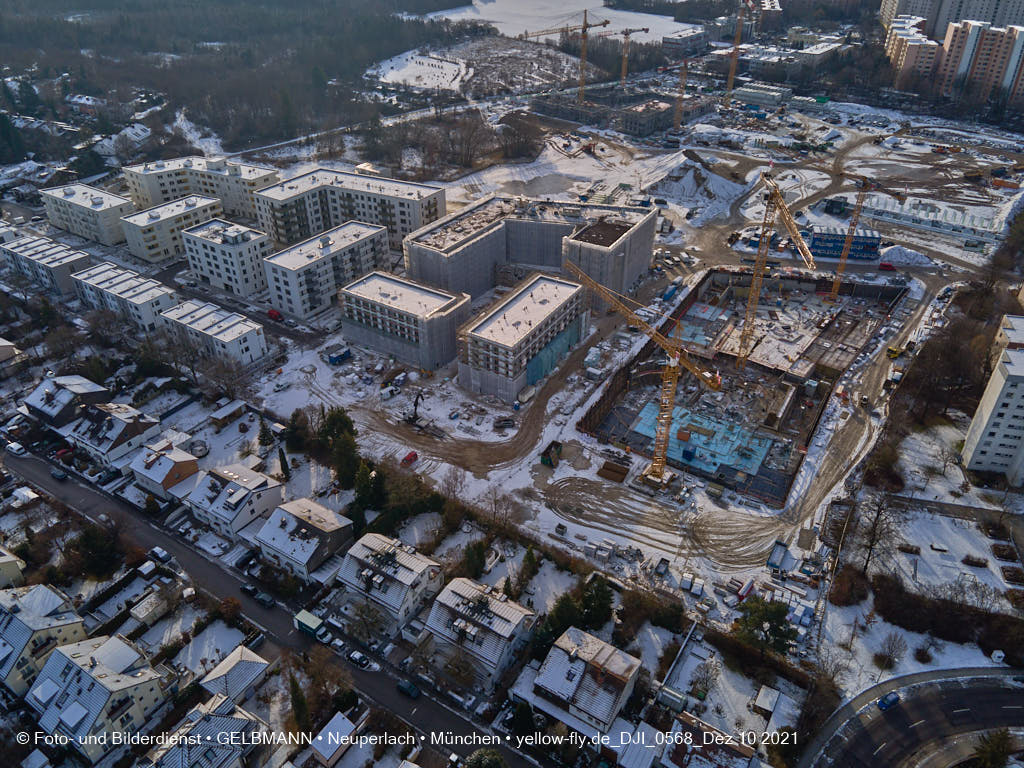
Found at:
(425, 715)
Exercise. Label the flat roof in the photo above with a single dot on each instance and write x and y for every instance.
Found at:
(1013, 359)
(44, 251)
(603, 232)
(323, 245)
(168, 210)
(322, 177)
(833, 230)
(400, 293)
(456, 228)
(210, 164)
(125, 283)
(520, 311)
(211, 320)
(86, 196)
(221, 231)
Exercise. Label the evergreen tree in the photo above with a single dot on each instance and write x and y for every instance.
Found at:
(266, 436)
(364, 485)
(597, 603)
(300, 707)
(345, 458)
(286, 471)
(764, 625)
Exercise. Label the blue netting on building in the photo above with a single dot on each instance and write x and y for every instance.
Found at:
(547, 359)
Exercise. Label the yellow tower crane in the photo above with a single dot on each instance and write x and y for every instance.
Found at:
(734, 57)
(684, 71)
(625, 47)
(583, 29)
(677, 357)
(774, 208)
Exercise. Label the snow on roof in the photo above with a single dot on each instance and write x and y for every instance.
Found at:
(325, 177)
(87, 197)
(25, 611)
(102, 425)
(391, 566)
(215, 734)
(332, 736)
(171, 210)
(1013, 328)
(325, 244)
(767, 698)
(123, 283)
(51, 395)
(218, 165)
(36, 759)
(297, 528)
(400, 293)
(211, 320)
(223, 491)
(44, 251)
(223, 232)
(156, 460)
(842, 231)
(235, 673)
(643, 748)
(1013, 359)
(524, 309)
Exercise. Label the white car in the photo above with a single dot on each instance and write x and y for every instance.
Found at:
(16, 449)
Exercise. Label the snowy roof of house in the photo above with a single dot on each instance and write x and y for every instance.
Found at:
(235, 673)
(6, 556)
(211, 735)
(324, 245)
(102, 426)
(400, 293)
(1012, 327)
(223, 490)
(524, 309)
(106, 666)
(51, 395)
(218, 165)
(169, 210)
(718, 751)
(1013, 359)
(211, 320)
(325, 177)
(297, 527)
(44, 251)
(333, 735)
(224, 232)
(36, 759)
(643, 748)
(397, 565)
(155, 460)
(87, 197)
(25, 611)
(123, 283)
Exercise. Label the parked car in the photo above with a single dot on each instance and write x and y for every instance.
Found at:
(273, 314)
(16, 449)
(358, 659)
(264, 599)
(63, 454)
(58, 474)
(888, 701)
(249, 590)
(338, 646)
(410, 690)
(159, 554)
(324, 636)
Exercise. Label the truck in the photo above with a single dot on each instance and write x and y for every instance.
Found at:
(893, 352)
(304, 621)
(552, 454)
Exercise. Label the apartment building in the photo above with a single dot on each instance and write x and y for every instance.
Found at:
(217, 332)
(45, 262)
(391, 575)
(296, 209)
(480, 622)
(688, 41)
(304, 278)
(87, 212)
(911, 53)
(231, 182)
(939, 14)
(94, 688)
(891, 10)
(230, 498)
(34, 620)
(523, 337)
(137, 299)
(300, 535)
(466, 251)
(227, 256)
(107, 432)
(981, 61)
(400, 317)
(995, 439)
(154, 235)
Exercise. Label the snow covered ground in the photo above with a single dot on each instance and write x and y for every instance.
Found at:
(430, 71)
(208, 647)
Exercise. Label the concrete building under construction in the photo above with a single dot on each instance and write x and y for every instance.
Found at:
(502, 239)
(635, 113)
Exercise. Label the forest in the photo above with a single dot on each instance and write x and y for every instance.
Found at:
(253, 70)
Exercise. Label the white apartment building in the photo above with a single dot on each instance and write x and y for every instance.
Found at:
(230, 498)
(299, 208)
(231, 182)
(391, 575)
(33, 622)
(483, 623)
(94, 688)
(300, 535)
(523, 338)
(129, 294)
(227, 256)
(217, 332)
(87, 212)
(304, 278)
(154, 235)
(46, 263)
(995, 439)
(414, 322)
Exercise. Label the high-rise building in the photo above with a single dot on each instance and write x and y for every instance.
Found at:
(995, 439)
(227, 256)
(87, 212)
(911, 53)
(154, 235)
(981, 62)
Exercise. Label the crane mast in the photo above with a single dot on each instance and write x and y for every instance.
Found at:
(583, 29)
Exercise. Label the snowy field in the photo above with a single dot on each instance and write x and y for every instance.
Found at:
(430, 71)
(208, 647)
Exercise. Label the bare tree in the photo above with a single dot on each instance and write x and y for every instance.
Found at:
(878, 529)
(226, 376)
(454, 482)
(892, 651)
(105, 325)
(459, 667)
(124, 149)
(948, 456)
(62, 342)
(705, 675)
(367, 621)
(181, 353)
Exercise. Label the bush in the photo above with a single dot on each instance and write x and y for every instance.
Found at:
(975, 562)
(923, 654)
(1016, 598)
(1013, 575)
(1005, 552)
(849, 587)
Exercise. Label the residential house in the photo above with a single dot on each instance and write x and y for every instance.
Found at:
(55, 401)
(12, 569)
(482, 623)
(333, 740)
(97, 686)
(108, 432)
(230, 498)
(217, 734)
(12, 359)
(238, 675)
(161, 466)
(693, 743)
(33, 622)
(301, 535)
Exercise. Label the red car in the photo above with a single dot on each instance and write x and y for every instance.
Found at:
(273, 314)
(410, 457)
(885, 266)
(63, 453)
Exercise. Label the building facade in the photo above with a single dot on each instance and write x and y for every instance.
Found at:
(304, 278)
(911, 53)
(413, 322)
(231, 182)
(216, 332)
(87, 212)
(154, 235)
(45, 262)
(979, 61)
(828, 242)
(523, 338)
(686, 42)
(296, 209)
(135, 298)
(109, 431)
(300, 535)
(161, 466)
(227, 256)
(231, 497)
(995, 439)
(939, 14)
(34, 621)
